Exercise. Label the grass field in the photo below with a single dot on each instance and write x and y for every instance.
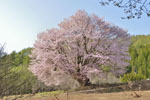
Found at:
(59, 95)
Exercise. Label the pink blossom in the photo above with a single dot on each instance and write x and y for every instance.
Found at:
(79, 47)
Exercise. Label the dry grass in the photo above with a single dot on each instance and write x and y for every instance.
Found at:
(144, 95)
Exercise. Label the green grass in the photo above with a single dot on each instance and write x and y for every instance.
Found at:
(37, 95)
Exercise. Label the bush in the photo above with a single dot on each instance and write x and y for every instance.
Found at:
(132, 77)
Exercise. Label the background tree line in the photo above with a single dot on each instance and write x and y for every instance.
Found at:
(15, 78)
(140, 59)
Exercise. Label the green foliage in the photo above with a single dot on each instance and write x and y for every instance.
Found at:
(105, 68)
(140, 59)
(15, 76)
(21, 57)
(132, 77)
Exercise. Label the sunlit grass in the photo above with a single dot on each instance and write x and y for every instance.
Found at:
(37, 95)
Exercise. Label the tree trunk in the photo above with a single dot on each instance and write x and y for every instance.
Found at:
(82, 79)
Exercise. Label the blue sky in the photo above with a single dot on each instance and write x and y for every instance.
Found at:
(22, 20)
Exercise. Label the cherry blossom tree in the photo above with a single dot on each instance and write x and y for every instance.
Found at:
(82, 44)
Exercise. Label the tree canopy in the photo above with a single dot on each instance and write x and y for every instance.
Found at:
(83, 44)
(140, 59)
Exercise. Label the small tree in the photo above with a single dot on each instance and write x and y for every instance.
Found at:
(2, 50)
(82, 45)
